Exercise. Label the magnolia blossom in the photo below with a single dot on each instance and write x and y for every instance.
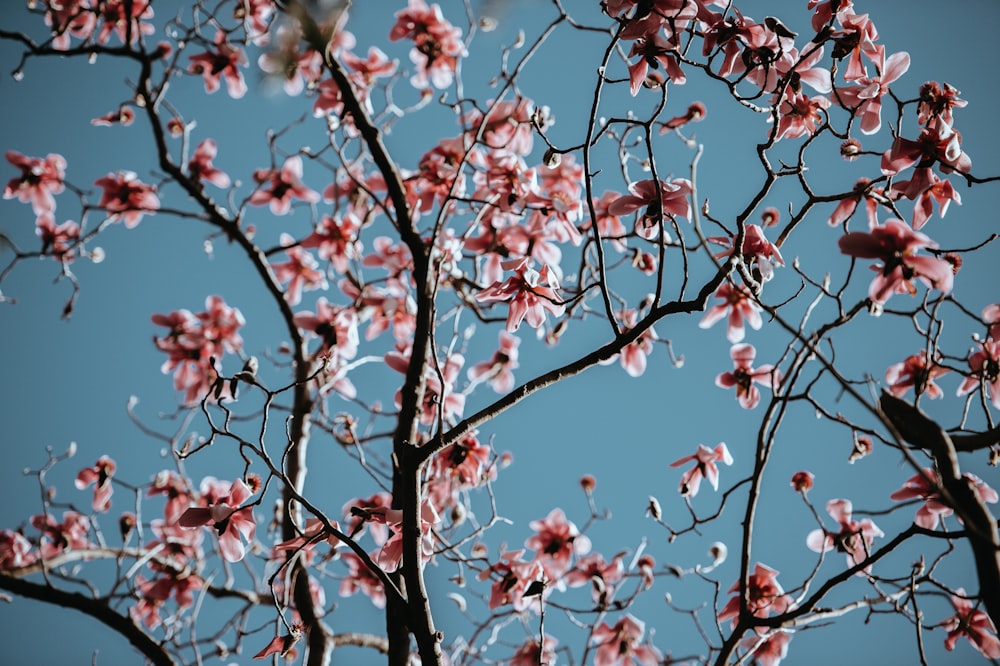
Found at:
(938, 142)
(621, 644)
(756, 250)
(283, 185)
(125, 196)
(226, 515)
(99, 475)
(924, 485)
(937, 101)
(497, 370)
(972, 623)
(770, 650)
(59, 240)
(863, 191)
(222, 62)
(532, 653)
(984, 370)
(40, 180)
(512, 577)
(866, 96)
(744, 375)
(669, 198)
(15, 550)
(437, 43)
(360, 578)
(764, 596)
(925, 187)
(704, 467)
(530, 294)
(593, 570)
(915, 372)
(736, 307)
(896, 245)
(301, 271)
(800, 115)
(556, 541)
(633, 355)
(200, 165)
(855, 538)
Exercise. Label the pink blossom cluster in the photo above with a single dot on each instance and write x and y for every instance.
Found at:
(195, 343)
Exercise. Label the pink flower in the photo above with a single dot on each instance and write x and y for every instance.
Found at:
(70, 17)
(633, 355)
(653, 50)
(756, 251)
(764, 596)
(512, 576)
(99, 475)
(360, 578)
(593, 570)
(866, 97)
(673, 200)
(531, 653)
(497, 370)
(15, 550)
(974, 624)
(938, 141)
(917, 373)
(200, 165)
(529, 293)
(175, 488)
(59, 240)
(896, 245)
(771, 650)
(926, 188)
(800, 115)
(225, 514)
(437, 43)
(556, 541)
(284, 62)
(855, 538)
(337, 328)
(863, 191)
(126, 197)
(621, 645)
(984, 366)
(301, 271)
(115, 20)
(224, 61)
(336, 240)
(40, 180)
(154, 593)
(937, 102)
(70, 534)
(284, 184)
(744, 376)
(736, 307)
(923, 485)
(609, 225)
(366, 72)
(704, 467)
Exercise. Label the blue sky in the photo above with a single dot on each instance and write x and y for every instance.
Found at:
(70, 381)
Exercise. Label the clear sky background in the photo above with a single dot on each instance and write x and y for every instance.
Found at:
(70, 381)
